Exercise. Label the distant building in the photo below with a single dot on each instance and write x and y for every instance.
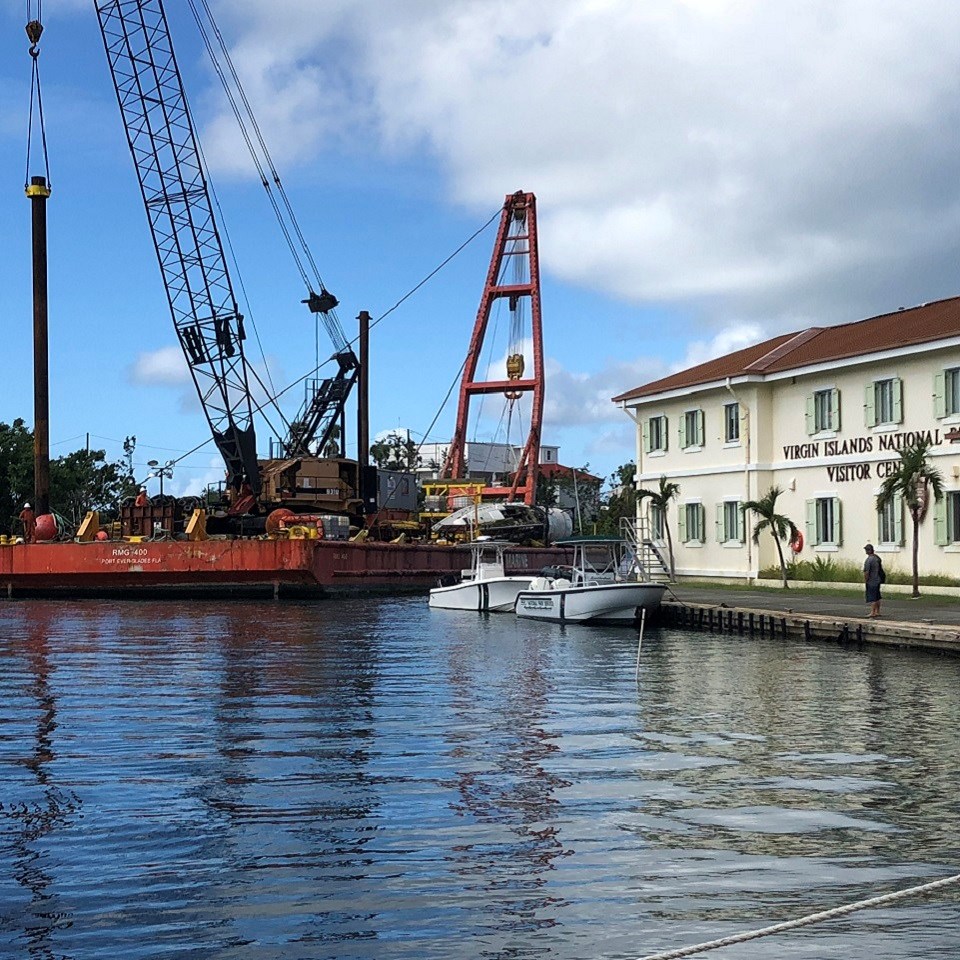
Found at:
(823, 414)
(490, 462)
(574, 489)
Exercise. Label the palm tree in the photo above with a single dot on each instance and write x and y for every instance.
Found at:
(660, 499)
(781, 527)
(914, 477)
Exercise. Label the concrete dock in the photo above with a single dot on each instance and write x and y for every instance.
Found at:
(930, 622)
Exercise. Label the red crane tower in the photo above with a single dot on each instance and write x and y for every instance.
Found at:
(514, 275)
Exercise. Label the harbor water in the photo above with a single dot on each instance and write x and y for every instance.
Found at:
(369, 778)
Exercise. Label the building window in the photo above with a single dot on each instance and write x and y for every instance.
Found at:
(890, 522)
(946, 519)
(883, 402)
(655, 432)
(947, 393)
(729, 522)
(731, 422)
(691, 429)
(823, 411)
(691, 523)
(824, 521)
(657, 523)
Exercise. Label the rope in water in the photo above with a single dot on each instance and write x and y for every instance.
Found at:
(805, 921)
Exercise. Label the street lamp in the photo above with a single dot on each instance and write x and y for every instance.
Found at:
(161, 471)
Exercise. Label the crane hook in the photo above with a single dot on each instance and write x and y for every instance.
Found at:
(34, 32)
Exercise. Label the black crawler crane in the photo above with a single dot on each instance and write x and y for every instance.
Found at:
(208, 322)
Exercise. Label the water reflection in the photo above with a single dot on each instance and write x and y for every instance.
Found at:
(368, 779)
(43, 807)
(500, 746)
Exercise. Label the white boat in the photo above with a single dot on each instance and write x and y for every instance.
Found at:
(605, 584)
(485, 585)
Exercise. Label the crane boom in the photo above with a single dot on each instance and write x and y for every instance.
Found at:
(175, 192)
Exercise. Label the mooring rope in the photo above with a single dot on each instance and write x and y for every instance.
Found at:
(805, 921)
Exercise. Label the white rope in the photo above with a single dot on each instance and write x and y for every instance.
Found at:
(804, 921)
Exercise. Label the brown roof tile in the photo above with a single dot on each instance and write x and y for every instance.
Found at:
(924, 324)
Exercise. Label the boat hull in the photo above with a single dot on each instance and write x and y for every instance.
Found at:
(277, 568)
(601, 603)
(496, 595)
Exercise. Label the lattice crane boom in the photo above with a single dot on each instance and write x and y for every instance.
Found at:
(189, 249)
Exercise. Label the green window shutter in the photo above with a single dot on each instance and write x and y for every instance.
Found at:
(810, 416)
(721, 532)
(682, 431)
(663, 432)
(741, 520)
(897, 400)
(869, 405)
(940, 523)
(701, 432)
(835, 403)
(898, 519)
(702, 510)
(682, 523)
(940, 395)
(837, 522)
(812, 523)
(646, 436)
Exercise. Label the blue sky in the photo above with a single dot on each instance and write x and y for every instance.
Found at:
(707, 172)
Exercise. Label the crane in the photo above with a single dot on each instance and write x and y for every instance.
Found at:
(177, 196)
(514, 275)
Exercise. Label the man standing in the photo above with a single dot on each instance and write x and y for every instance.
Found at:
(142, 498)
(871, 578)
(29, 520)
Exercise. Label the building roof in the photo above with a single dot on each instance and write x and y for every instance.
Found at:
(790, 351)
(555, 471)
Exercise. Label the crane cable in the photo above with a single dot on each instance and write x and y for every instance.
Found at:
(258, 408)
(246, 119)
(34, 32)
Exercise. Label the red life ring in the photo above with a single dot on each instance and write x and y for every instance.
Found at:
(796, 544)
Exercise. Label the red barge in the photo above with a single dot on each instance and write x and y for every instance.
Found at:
(238, 567)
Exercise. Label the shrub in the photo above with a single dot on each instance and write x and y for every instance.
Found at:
(828, 570)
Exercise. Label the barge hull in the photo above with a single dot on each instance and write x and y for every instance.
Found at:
(254, 568)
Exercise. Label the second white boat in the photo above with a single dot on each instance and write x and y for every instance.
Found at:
(604, 585)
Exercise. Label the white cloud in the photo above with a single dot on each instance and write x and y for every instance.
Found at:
(578, 399)
(766, 160)
(728, 340)
(196, 485)
(165, 366)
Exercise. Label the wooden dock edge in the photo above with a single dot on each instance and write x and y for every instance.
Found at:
(777, 624)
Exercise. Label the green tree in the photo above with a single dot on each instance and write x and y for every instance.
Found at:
(914, 479)
(16, 472)
(79, 481)
(660, 499)
(84, 480)
(781, 527)
(621, 501)
(396, 451)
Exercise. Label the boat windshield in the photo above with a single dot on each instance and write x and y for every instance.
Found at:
(487, 561)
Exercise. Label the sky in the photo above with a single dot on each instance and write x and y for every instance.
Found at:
(708, 173)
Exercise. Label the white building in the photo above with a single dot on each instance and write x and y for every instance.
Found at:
(490, 462)
(821, 413)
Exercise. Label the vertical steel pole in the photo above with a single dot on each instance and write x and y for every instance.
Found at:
(363, 394)
(38, 192)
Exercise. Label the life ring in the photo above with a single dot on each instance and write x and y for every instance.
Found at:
(796, 544)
